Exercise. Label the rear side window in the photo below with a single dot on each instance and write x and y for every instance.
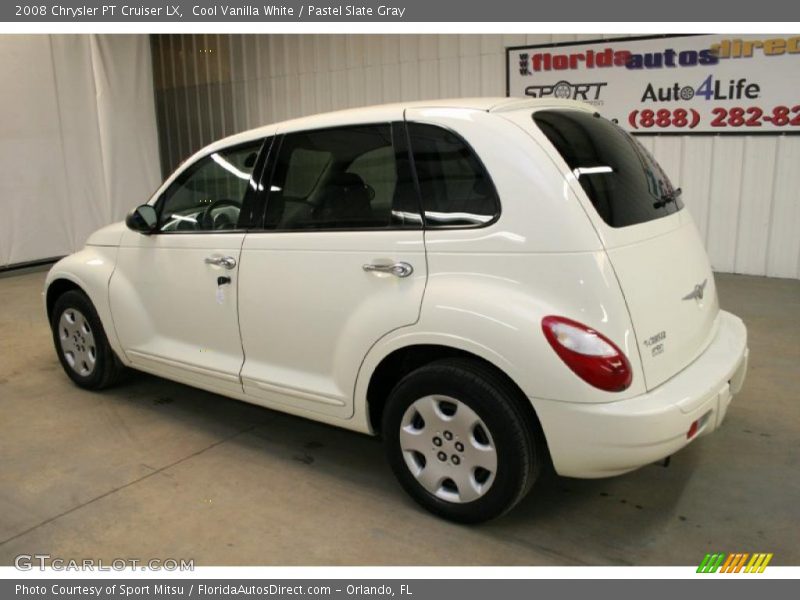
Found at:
(455, 187)
(354, 177)
(623, 181)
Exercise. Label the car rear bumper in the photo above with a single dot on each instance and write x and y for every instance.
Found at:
(601, 440)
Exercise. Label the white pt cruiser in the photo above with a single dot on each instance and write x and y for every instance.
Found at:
(495, 286)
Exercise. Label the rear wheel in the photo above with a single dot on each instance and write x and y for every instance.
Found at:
(81, 343)
(458, 440)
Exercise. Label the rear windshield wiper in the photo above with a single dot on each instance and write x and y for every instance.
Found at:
(667, 198)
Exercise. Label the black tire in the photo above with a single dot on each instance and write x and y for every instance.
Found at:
(106, 368)
(513, 433)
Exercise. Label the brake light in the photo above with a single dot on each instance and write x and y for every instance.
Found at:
(588, 353)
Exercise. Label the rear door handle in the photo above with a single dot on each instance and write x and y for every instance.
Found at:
(398, 269)
(221, 261)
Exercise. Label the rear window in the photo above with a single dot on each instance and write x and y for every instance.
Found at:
(621, 178)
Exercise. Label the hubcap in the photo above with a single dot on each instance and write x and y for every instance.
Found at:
(77, 342)
(448, 448)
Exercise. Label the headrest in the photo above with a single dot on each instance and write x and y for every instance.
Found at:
(346, 180)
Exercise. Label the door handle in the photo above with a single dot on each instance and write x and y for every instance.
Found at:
(398, 269)
(221, 261)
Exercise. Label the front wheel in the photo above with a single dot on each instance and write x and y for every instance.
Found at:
(459, 441)
(81, 344)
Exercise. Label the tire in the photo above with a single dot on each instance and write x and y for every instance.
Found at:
(465, 412)
(81, 343)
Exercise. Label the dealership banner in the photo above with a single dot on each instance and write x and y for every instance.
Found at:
(671, 84)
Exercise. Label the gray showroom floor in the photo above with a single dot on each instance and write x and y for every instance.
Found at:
(154, 469)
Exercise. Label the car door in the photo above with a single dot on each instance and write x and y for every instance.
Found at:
(173, 293)
(339, 264)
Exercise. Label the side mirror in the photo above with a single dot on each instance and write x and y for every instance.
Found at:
(143, 219)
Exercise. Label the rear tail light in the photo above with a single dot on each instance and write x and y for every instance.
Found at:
(591, 356)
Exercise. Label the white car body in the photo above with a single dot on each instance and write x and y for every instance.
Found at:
(303, 328)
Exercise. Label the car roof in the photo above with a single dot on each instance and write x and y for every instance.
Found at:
(387, 112)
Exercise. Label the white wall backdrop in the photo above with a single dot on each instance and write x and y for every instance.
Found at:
(743, 191)
(78, 143)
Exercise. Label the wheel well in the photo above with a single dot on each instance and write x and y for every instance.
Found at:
(401, 362)
(56, 289)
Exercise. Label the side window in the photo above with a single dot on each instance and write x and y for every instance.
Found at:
(208, 195)
(456, 189)
(378, 167)
(342, 178)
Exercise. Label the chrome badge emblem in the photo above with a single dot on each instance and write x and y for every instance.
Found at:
(697, 292)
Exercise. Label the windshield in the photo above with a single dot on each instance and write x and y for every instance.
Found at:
(623, 181)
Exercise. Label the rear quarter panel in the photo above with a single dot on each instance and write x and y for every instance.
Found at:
(489, 288)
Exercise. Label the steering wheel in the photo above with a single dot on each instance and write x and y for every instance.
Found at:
(208, 221)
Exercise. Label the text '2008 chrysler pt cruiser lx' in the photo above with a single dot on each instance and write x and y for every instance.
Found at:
(492, 285)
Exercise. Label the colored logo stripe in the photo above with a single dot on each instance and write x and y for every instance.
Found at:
(734, 563)
(711, 563)
(758, 563)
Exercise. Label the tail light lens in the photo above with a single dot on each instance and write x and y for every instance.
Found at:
(589, 354)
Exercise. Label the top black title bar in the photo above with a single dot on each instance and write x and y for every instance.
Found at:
(242, 11)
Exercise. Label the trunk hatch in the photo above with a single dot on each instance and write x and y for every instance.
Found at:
(672, 300)
(654, 247)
